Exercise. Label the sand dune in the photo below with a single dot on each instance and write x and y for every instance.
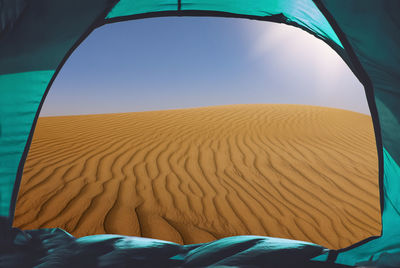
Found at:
(195, 175)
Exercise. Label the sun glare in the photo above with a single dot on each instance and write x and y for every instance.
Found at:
(301, 49)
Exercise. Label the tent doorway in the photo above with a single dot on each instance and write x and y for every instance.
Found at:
(269, 164)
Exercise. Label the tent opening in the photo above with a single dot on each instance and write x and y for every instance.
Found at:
(193, 129)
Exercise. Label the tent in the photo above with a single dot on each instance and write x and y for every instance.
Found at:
(37, 37)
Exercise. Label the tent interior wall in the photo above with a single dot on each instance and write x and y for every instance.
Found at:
(37, 37)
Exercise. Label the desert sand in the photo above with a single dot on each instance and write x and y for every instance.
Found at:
(195, 175)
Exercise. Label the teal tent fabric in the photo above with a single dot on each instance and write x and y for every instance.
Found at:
(33, 43)
(301, 12)
(36, 37)
(372, 29)
(20, 97)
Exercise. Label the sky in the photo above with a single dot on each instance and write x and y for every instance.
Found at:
(183, 62)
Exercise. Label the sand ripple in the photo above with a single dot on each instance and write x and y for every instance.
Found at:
(196, 175)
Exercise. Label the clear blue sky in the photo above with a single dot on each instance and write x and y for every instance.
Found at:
(179, 62)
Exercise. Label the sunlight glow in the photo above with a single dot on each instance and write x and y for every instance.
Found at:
(301, 49)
